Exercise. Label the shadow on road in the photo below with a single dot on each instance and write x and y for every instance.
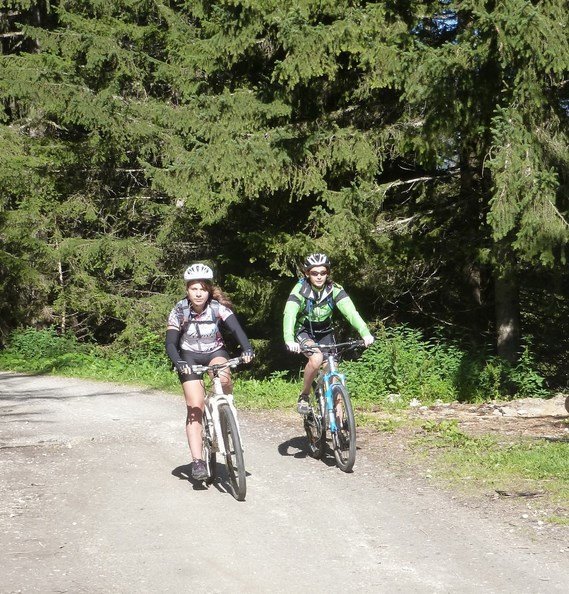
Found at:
(184, 474)
(299, 443)
(221, 482)
(19, 394)
(11, 375)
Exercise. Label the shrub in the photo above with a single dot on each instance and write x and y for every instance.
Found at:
(47, 343)
(402, 366)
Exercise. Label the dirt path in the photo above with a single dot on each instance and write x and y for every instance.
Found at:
(94, 498)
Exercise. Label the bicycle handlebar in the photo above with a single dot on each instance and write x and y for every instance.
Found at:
(217, 366)
(350, 344)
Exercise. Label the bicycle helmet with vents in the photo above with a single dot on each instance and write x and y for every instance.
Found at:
(198, 271)
(316, 260)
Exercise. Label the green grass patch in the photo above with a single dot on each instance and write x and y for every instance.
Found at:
(528, 465)
(403, 365)
(95, 366)
(399, 367)
(561, 521)
(44, 352)
(383, 424)
(274, 392)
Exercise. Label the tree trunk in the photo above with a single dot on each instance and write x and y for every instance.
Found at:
(470, 203)
(64, 311)
(507, 312)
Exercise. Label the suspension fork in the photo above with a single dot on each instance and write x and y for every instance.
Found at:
(213, 402)
(330, 404)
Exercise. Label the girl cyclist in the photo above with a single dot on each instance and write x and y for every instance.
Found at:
(308, 317)
(193, 338)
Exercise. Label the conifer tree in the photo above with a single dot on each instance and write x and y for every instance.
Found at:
(488, 80)
(415, 142)
(79, 216)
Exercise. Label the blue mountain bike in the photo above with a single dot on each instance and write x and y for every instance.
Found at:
(331, 408)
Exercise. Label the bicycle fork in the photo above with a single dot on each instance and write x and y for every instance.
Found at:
(329, 397)
(330, 409)
(213, 404)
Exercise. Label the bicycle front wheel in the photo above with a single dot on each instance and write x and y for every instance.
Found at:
(344, 439)
(234, 460)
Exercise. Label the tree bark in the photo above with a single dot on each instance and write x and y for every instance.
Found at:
(507, 312)
(64, 311)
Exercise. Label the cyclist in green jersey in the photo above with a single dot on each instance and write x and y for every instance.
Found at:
(308, 317)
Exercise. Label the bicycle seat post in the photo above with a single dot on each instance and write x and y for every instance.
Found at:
(217, 387)
(331, 361)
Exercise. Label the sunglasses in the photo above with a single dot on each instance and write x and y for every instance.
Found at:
(318, 273)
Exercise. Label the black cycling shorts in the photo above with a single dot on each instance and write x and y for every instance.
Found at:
(324, 337)
(199, 359)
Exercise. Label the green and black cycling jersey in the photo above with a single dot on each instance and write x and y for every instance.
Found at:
(309, 310)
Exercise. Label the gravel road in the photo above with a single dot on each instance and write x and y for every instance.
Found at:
(94, 497)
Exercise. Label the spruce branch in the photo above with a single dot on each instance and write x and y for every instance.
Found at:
(557, 212)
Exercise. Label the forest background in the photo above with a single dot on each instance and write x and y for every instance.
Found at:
(423, 145)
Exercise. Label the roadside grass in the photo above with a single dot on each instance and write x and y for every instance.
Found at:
(93, 366)
(251, 394)
(385, 424)
(272, 393)
(558, 520)
(522, 467)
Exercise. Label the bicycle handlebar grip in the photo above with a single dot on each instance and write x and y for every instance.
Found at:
(308, 350)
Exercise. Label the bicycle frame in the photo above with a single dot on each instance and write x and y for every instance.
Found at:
(214, 398)
(328, 374)
(326, 380)
(333, 412)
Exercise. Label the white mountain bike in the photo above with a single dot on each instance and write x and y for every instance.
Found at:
(221, 430)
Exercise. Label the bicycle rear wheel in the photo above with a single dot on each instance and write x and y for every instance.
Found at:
(234, 460)
(210, 460)
(344, 439)
(315, 429)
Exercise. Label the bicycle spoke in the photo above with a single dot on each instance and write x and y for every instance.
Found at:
(344, 439)
(315, 430)
(234, 459)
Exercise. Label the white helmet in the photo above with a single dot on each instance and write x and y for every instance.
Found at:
(316, 260)
(198, 271)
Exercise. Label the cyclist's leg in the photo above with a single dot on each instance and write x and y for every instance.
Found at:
(329, 339)
(314, 361)
(194, 396)
(193, 388)
(221, 356)
(325, 338)
(311, 371)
